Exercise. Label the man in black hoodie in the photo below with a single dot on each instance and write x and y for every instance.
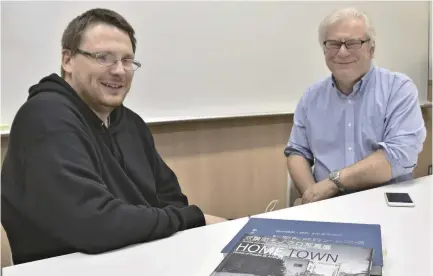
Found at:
(82, 173)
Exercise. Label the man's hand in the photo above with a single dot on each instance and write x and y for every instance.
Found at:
(297, 202)
(213, 219)
(322, 190)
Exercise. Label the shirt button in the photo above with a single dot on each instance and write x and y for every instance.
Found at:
(349, 124)
(350, 101)
(350, 148)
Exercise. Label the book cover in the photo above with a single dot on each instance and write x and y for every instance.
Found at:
(361, 235)
(283, 256)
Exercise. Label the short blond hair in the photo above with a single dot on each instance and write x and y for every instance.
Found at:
(341, 14)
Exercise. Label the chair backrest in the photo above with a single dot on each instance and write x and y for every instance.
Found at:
(6, 258)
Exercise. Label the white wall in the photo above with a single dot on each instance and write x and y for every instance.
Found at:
(210, 59)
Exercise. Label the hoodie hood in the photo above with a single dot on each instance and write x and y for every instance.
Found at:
(55, 84)
(52, 83)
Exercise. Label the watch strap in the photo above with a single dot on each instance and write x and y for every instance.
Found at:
(335, 177)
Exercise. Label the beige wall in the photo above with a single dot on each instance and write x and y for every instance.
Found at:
(235, 167)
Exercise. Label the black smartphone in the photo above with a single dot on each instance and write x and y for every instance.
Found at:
(399, 200)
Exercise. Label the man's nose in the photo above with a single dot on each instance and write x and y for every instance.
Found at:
(117, 68)
(343, 51)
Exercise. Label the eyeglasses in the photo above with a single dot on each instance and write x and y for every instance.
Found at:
(352, 44)
(108, 59)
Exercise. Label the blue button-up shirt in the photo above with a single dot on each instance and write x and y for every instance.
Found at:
(334, 131)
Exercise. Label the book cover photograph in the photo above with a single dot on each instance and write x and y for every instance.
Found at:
(351, 234)
(283, 256)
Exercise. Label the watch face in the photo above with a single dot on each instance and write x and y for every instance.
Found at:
(333, 175)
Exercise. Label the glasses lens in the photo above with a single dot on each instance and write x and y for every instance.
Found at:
(353, 44)
(110, 59)
(106, 59)
(333, 44)
(130, 64)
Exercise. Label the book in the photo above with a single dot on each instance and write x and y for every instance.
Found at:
(282, 256)
(356, 234)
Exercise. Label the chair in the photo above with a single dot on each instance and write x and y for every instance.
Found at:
(6, 258)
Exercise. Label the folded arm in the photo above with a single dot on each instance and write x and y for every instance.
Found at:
(300, 172)
(71, 202)
(299, 157)
(168, 189)
(403, 140)
(167, 185)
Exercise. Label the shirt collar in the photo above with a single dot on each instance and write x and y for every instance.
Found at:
(359, 85)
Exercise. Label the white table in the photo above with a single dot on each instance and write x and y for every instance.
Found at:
(407, 237)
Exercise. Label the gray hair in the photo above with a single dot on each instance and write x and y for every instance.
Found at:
(342, 14)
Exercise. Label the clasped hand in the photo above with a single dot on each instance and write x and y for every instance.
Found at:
(322, 190)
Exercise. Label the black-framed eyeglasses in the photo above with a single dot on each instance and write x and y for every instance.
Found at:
(351, 44)
(109, 59)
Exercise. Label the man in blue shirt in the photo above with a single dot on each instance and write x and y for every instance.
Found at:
(362, 127)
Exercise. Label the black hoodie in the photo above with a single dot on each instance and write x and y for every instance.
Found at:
(69, 184)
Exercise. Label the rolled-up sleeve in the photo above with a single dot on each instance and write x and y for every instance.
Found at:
(298, 140)
(405, 130)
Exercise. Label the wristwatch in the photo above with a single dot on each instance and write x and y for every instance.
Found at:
(335, 177)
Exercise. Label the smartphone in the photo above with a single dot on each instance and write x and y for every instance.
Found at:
(399, 200)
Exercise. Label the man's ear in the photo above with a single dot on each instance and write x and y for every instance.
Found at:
(372, 48)
(66, 60)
